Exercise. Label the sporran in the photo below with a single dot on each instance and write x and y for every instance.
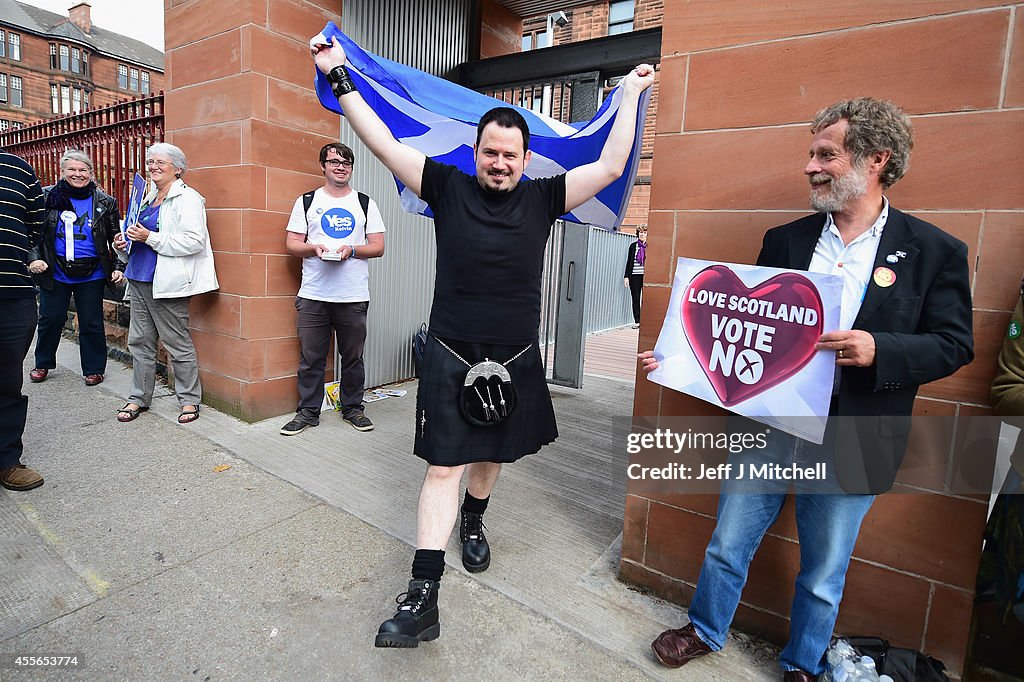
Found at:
(487, 397)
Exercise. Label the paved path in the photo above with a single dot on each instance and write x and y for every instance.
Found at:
(140, 556)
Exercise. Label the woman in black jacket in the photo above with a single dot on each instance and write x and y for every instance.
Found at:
(633, 279)
(75, 258)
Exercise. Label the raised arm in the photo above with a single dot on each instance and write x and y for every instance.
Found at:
(404, 161)
(584, 182)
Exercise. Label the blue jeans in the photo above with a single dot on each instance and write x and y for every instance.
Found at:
(827, 527)
(53, 313)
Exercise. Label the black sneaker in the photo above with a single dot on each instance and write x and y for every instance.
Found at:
(416, 619)
(476, 553)
(295, 427)
(359, 422)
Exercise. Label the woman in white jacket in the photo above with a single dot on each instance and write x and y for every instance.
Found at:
(169, 261)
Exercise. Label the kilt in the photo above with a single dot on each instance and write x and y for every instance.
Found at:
(445, 438)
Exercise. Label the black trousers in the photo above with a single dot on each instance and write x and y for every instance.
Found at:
(17, 324)
(53, 313)
(636, 285)
(316, 321)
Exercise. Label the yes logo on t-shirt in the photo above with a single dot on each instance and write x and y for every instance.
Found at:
(337, 223)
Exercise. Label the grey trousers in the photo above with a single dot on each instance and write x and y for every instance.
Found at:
(315, 322)
(166, 318)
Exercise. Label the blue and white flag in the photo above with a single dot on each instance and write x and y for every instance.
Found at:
(439, 118)
(131, 215)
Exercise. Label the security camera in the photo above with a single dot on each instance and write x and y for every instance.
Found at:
(559, 18)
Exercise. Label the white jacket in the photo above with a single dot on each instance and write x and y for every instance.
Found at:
(184, 264)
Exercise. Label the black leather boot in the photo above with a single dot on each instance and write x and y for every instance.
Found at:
(416, 619)
(476, 553)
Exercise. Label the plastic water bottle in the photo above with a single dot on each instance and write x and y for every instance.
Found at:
(864, 670)
(845, 672)
(838, 652)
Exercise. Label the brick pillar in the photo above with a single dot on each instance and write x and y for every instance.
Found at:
(240, 104)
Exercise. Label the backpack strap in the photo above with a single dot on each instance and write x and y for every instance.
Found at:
(364, 203)
(307, 201)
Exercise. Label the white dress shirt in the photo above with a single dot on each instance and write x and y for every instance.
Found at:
(853, 262)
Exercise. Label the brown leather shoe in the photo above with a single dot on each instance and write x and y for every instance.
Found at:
(674, 648)
(93, 379)
(20, 477)
(799, 676)
(37, 375)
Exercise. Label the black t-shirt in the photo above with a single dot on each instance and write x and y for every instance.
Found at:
(490, 254)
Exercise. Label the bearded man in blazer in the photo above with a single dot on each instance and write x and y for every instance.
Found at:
(905, 321)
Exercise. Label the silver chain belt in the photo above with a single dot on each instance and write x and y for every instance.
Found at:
(463, 360)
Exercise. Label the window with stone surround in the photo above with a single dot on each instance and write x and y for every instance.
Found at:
(3, 88)
(65, 58)
(620, 16)
(16, 99)
(3, 43)
(14, 41)
(145, 83)
(54, 99)
(535, 40)
(122, 76)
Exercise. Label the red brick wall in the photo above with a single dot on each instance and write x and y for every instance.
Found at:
(741, 80)
(34, 69)
(591, 21)
(500, 30)
(240, 103)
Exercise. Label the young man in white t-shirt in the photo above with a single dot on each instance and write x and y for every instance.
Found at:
(334, 231)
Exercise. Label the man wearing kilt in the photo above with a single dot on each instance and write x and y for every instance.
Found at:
(483, 400)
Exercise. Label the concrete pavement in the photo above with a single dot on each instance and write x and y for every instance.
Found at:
(144, 559)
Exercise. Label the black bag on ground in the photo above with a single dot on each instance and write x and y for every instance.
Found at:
(419, 342)
(902, 665)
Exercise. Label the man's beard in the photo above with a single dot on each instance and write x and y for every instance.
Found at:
(841, 191)
(498, 190)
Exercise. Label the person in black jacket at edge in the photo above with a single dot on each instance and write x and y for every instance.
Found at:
(75, 258)
(633, 277)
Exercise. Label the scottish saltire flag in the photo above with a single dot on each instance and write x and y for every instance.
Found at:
(131, 215)
(439, 118)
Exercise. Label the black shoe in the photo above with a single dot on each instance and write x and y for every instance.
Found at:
(416, 619)
(359, 421)
(476, 553)
(295, 427)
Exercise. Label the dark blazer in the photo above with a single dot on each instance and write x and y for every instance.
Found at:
(631, 259)
(922, 330)
(105, 225)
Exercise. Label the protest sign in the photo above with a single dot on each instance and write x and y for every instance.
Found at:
(742, 337)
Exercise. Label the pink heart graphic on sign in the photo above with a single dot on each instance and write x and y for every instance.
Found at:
(749, 339)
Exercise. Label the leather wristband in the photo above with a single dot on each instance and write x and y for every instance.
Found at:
(341, 82)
